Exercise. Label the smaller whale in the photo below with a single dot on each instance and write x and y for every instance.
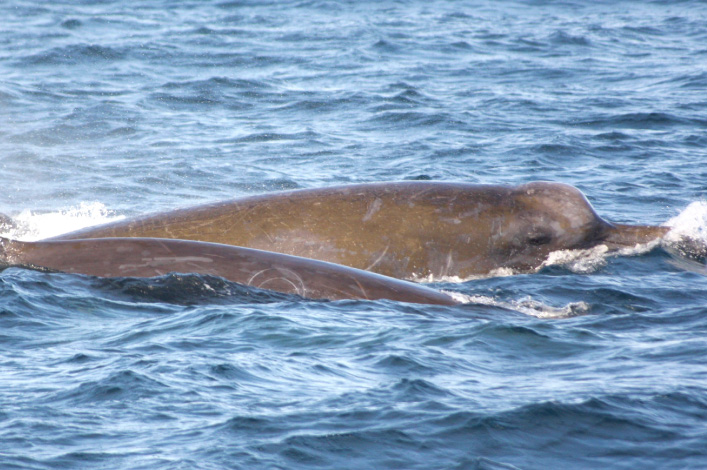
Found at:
(148, 257)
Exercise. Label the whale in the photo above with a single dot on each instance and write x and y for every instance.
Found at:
(407, 230)
(149, 257)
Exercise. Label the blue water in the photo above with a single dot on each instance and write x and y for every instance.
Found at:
(111, 109)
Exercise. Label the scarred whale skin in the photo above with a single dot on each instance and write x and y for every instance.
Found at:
(412, 229)
(147, 257)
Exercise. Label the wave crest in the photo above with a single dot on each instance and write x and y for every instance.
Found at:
(31, 226)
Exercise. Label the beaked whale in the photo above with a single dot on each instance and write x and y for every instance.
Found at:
(407, 230)
(148, 257)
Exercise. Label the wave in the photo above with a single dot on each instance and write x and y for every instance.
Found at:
(527, 306)
(642, 120)
(75, 54)
(31, 226)
(687, 240)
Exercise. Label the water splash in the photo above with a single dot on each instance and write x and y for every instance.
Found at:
(687, 238)
(433, 278)
(31, 226)
(579, 261)
(527, 306)
(593, 259)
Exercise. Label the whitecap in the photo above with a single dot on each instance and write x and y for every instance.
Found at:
(527, 306)
(687, 237)
(31, 226)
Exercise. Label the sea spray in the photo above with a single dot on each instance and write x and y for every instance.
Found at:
(32, 226)
(688, 236)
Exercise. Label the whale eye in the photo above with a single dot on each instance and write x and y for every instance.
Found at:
(538, 239)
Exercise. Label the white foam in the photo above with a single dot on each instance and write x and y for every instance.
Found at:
(578, 261)
(31, 226)
(592, 259)
(430, 278)
(527, 306)
(687, 239)
(691, 221)
(690, 224)
(502, 272)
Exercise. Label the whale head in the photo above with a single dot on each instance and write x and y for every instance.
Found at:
(544, 217)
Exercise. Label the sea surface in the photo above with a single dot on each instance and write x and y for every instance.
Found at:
(111, 109)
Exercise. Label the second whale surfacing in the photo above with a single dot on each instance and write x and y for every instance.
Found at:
(406, 230)
(148, 257)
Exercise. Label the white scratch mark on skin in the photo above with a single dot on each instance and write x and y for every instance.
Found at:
(161, 261)
(164, 246)
(450, 262)
(363, 291)
(250, 281)
(296, 289)
(347, 294)
(375, 207)
(378, 260)
(300, 289)
(271, 240)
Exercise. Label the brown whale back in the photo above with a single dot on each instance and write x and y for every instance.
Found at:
(147, 257)
(403, 230)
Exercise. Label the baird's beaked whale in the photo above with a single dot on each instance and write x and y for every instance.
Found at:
(148, 257)
(406, 230)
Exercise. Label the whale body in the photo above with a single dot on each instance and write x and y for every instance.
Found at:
(148, 257)
(407, 230)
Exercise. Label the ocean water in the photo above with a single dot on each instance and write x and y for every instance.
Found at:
(113, 109)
